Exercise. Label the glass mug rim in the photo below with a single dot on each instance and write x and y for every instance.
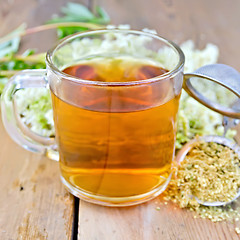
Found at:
(62, 75)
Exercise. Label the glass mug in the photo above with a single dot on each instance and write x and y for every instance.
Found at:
(115, 96)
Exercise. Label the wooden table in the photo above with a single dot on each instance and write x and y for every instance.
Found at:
(34, 203)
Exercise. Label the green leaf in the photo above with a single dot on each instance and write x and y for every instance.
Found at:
(16, 64)
(65, 31)
(74, 12)
(103, 15)
(10, 47)
(28, 52)
(9, 67)
(3, 81)
(9, 44)
(62, 19)
(78, 11)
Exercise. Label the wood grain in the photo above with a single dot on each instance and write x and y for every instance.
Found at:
(33, 203)
(203, 21)
(145, 222)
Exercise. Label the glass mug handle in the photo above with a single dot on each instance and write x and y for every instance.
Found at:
(18, 131)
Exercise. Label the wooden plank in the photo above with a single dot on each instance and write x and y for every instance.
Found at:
(203, 21)
(33, 202)
(145, 222)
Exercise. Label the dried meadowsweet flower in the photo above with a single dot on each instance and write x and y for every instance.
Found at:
(211, 172)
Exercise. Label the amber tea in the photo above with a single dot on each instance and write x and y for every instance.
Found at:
(115, 96)
(116, 142)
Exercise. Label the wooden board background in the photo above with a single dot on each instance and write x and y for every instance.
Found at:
(33, 202)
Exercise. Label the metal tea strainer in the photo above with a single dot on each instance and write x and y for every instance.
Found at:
(227, 78)
(219, 74)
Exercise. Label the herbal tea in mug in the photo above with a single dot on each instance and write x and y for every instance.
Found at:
(107, 142)
(115, 96)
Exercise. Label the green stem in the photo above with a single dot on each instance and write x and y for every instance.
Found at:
(9, 73)
(50, 26)
(67, 24)
(32, 58)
